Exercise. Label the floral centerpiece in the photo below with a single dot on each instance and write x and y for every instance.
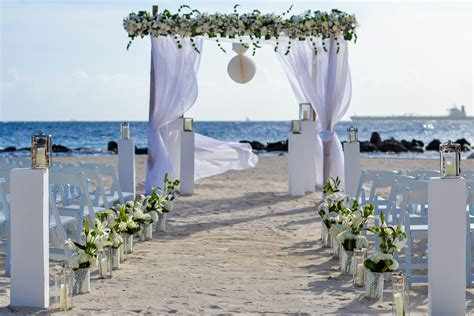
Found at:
(351, 238)
(383, 261)
(109, 219)
(126, 225)
(165, 197)
(84, 257)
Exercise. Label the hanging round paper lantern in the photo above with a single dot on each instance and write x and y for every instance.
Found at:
(241, 69)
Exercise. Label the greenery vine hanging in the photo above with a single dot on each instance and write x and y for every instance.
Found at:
(255, 25)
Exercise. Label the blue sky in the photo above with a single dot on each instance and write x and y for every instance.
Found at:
(63, 60)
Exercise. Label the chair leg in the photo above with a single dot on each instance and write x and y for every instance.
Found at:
(408, 254)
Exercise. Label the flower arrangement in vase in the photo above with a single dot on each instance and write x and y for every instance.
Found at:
(351, 238)
(84, 257)
(392, 239)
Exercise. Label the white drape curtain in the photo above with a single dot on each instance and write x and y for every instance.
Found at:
(212, 156)
(324, 81)
(174, 90)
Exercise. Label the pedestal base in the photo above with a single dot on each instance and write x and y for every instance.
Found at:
(447, 247)
(29, 238)
(126, 163)
(296, 172)
(351, 168)
(187, 163)
(308, 132)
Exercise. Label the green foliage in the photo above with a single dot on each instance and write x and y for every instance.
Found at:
(388, 235)
(332, 186)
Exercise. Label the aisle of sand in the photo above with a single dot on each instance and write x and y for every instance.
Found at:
(239, 244)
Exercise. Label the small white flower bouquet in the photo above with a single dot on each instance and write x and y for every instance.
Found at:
(85, 255)
(391, 240)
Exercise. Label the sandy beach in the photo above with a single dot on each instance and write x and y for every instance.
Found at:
(240, 244)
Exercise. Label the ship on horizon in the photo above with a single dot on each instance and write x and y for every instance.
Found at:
(454, 113)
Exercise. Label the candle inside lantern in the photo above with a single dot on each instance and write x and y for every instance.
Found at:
(450, 169)
(188, 124)
(305, 115)
(41, 157)
(360, 274)
(398, 298)
(63, 297)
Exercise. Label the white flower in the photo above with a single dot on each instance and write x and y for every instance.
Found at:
(336, 229)
(69, 243)
(122, 226)
(400, 242)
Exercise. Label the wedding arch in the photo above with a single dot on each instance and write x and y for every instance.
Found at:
(312, 48)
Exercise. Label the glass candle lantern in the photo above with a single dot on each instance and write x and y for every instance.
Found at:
(65, 288)
(450, 158)
(105, 263)
(358, 268)
(125, 130)
(187, 124)
(401, 297)
(41, 150)
(353, 134)
(296, 126)
(306, 112)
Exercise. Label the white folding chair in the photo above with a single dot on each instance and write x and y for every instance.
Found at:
(414, 220)
(95, 185)
(115, 190)
(82, 207)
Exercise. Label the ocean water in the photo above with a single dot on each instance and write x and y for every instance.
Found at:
(91, 138)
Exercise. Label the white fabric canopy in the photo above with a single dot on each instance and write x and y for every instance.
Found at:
(213, 156)
(324, 81)
(174, 90)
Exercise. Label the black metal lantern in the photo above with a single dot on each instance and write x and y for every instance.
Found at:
(125, 130)
(450, 159)
(296, 126)
(306, 112)
(41, 150)
(187, 124)
(353, 134)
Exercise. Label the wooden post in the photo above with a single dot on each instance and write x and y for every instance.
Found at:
(150, 157)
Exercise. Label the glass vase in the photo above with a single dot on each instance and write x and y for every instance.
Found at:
(162, 222)
(82, 281)
(146, 232)
(325, 235)
(116, 260)
(122, 251)
(358, 269)
(374, 283)
(346, 261)
(335, 247)
(128, 241)
(401, 295)
(54, 283)
(65, 290)
(105, 263)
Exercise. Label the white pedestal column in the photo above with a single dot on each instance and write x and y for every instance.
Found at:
(173, 144)
(308, 131)
(351, 168)
(29, 238)
(296, 171)
(447, 247)
(186, 186)
(126, 163)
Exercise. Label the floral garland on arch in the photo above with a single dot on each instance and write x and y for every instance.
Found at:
(310, 24)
